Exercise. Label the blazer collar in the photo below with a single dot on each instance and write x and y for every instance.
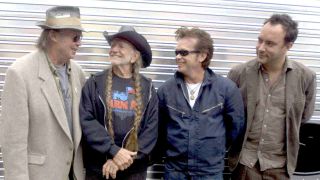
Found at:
(252, 71)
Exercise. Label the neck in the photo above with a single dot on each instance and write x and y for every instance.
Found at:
(274, 67)
(54, 58)
(194, 78)
(123, 71)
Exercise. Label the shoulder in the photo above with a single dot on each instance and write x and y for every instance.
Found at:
(167, 84)
(305, 71)
(75, 65)
(26, 61)
(145, 80)
(100, 76)
(223, 82)
(243, 66)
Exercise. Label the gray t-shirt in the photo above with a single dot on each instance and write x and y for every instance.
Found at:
(66, 93)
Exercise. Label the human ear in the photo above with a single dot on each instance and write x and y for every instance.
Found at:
(202, 56)
(53, 35)
(135, 57)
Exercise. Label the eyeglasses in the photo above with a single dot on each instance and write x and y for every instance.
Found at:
(184, 52)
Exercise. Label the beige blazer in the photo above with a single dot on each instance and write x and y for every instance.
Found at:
(300, 101)
(37, 143)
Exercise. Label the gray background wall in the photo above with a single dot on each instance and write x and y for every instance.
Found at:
(234, 26)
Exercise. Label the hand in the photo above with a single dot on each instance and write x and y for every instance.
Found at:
(124, 158)
(110, 169)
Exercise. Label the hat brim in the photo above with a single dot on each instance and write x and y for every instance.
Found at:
(138, 41)
(43, 25)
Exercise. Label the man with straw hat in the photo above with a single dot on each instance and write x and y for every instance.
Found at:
(40, 104)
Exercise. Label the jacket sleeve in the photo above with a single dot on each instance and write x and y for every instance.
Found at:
(234, 115)
(15, 127)
(159, 151)
(149, 134)
(234, 76)
(94, 133)
(310, 94)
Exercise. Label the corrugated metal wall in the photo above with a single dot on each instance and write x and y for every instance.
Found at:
(234, 25)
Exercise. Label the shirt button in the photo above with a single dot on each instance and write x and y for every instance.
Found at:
(265, 126)
(262, 140)
(267, 110)
(269, 95)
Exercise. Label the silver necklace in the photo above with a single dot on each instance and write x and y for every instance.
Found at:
(192, 91)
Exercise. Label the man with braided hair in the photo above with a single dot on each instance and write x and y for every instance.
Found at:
(118, 111)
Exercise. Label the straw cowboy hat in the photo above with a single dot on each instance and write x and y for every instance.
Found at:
(62, 17)
(129, 34)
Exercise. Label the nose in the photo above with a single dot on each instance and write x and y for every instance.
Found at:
(79, 43)
(260, 47)
(178, 56)
(114, 48)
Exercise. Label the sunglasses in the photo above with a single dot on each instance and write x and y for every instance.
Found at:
(184, 52)
(75, 38)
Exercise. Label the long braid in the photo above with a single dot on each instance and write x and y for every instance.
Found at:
(132, 142)
(109, 120)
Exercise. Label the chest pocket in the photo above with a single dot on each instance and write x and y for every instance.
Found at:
(213, 110)
(176, 112)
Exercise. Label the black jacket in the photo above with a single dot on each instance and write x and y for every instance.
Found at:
(98, 145)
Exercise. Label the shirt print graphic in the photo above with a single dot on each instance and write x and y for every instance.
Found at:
(123, 102)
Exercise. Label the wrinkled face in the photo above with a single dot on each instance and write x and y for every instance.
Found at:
(189, 62)
(122, 52)
(68, 42)
(271, 47)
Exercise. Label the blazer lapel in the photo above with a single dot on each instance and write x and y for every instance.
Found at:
(51, 93)
(252, 81)
(291, 86)
(76, 91)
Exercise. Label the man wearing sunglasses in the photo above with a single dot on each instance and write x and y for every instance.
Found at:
(201, 113)
(279, 96)
(40, 104)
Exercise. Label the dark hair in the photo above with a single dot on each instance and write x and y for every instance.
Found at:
(205, 42)
(290, 26)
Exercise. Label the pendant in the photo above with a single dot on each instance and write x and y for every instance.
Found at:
(192, 97)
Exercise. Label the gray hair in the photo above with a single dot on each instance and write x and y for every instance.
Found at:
(42, 42)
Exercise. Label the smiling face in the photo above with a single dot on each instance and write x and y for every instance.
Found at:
(271, 47)
(67, 42)
(122, 52)
(190, 63)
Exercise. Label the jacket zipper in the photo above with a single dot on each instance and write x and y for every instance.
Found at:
(105, 112)
(206, 110)
(183, 113)
(184, 94)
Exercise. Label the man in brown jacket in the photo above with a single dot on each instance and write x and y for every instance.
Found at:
(279, 95)
(40, 104)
